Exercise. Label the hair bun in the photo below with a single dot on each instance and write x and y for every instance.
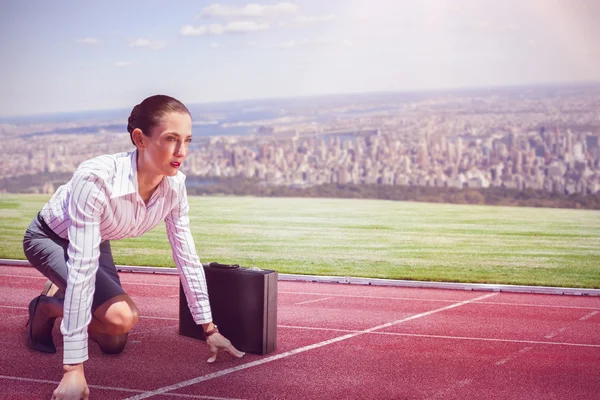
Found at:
(131, 122)
(149, 113)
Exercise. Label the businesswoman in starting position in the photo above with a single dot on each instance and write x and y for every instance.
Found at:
(108, 198)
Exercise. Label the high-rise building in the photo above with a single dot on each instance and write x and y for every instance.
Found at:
(592, 141)
(569, 143)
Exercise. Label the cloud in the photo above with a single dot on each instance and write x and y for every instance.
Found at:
(315, 42)
(248, 11)
(245, 27)
(148, 44)
(89, 41)
(287, 45)
(251, 44)
(123, 64)
(214, 29)
(233, 27)
(304, 20)
(214, 45)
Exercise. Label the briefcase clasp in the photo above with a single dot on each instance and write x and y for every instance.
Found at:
(219, 265)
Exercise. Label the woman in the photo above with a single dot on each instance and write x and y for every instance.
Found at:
(108, 198)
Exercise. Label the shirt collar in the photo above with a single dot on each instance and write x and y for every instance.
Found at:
(168, 183)
(173, 183)
(126, 177)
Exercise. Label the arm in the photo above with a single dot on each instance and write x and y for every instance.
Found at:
(193, 279)
(85, 207)
(187, 262)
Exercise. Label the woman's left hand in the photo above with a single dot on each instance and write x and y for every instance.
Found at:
(217, 342)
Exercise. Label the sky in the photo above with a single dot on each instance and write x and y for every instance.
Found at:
(65, 56)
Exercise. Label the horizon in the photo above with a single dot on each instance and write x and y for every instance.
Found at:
(432, 91)
(67, 56)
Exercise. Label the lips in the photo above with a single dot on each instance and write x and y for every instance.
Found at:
(176, 164)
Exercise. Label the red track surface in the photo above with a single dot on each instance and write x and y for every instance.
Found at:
(333, 342)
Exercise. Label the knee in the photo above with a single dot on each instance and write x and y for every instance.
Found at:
(122, 319)
(112, 344)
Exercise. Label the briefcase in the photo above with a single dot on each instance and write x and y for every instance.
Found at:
(243, 303)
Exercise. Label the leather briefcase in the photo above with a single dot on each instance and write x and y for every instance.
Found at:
(243, 303)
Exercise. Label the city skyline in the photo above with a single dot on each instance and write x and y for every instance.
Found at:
(546, 140)
(68, 57)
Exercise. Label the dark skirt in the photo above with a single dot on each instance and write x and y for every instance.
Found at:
(47, 252)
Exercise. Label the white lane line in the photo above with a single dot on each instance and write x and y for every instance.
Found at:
(23, 276)
(434, 300)
(148, 284)
(18, 378)
(228, 371)
(490, 339)
(539, 305)
(141, 316)
(122, 281)
(14, 307)
(116, 389)
(163, 318)
(590, 315)
(555, 333)
(312, 301)
(515, 355)
(317, 329)
(351, 295)
(357, 296)
(390, 333)
(18, 316)
(445, 337)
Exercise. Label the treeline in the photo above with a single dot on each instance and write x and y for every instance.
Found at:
(33, 183)
(489, 196)
(251, 187)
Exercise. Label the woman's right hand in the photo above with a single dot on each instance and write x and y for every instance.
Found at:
(73, 385)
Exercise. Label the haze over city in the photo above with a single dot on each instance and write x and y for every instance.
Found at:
(451, 95)
(69, 56)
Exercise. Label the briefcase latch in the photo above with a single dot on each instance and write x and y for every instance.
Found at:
(219, 265)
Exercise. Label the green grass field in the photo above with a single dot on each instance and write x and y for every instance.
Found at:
(366, 238)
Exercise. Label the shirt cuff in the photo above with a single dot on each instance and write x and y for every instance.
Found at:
(75, 350)
(200, 316)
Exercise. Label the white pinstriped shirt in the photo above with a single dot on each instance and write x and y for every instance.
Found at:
(101, 202)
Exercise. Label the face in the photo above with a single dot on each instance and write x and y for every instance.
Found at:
(164, 151)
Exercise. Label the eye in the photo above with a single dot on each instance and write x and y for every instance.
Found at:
(189, 140)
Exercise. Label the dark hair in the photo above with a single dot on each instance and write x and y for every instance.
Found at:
(149, 112)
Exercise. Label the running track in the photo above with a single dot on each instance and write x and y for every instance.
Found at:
(335, 341)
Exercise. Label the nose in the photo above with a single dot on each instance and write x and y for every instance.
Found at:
(181, 149)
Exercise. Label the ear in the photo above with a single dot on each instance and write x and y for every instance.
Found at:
(138, 138)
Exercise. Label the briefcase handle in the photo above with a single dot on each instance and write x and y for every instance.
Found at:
(219, 265)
